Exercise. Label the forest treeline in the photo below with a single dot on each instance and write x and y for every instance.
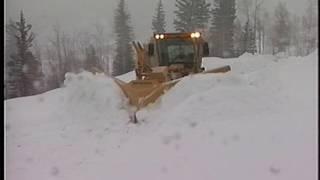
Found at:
(231, 28)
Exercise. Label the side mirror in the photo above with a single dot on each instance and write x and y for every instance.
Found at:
(150, 49)
(205, 49)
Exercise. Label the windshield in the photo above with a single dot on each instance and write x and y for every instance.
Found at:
(176, 51)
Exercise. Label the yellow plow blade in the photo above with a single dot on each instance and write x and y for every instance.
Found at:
(222, 69)
(143, 92)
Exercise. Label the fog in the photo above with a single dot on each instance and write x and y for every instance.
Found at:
(80, 15)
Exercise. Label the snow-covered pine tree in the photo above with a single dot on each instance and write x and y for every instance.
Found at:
(214, 32)
(252, 48)
(237, 37)
(158, 21)
(10, 48)
(10, 45)
(191, 15)
(248, 39)
(222, 26)
(24, 77)
(123, 61)
(92, 63)
(310, 24)
(296, 42)
(33, 76)
(281, 28)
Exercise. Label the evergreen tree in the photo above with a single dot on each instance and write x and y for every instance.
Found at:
(32, 75)
(281, 39)
(248, 39)
(24, 77)
(222, 26)
(215, 38)
(252, 48)
(92, 61)
(158, 21)
(296, 35)
(10, 49)
(310, 24)
(238, 37)
(191, 15)
(123, 61)
(10, 45)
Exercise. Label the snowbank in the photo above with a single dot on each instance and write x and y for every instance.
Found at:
(128, 76)
(97, 94)
(257, 122)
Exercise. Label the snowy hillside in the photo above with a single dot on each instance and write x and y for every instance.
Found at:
(258, 121)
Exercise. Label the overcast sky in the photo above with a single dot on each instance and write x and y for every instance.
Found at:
(79, 14)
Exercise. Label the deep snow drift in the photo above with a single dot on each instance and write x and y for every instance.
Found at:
(258, 121)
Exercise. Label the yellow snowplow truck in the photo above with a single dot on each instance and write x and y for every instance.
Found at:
(162, 63)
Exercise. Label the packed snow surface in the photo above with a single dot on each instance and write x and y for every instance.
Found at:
(257, 122)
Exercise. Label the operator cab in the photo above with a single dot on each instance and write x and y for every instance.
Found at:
(176, 51)
(185, 49)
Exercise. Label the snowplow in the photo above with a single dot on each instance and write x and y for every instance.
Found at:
(162, 63)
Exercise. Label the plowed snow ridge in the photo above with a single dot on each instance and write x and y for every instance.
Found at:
(258, 121)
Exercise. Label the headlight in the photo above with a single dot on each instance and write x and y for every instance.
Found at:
(195, 35)
(159, 36)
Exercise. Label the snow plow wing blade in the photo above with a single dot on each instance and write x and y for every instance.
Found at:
(143, 92)
(222, 69)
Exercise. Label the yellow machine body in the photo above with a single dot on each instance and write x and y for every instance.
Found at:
(157, 69)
